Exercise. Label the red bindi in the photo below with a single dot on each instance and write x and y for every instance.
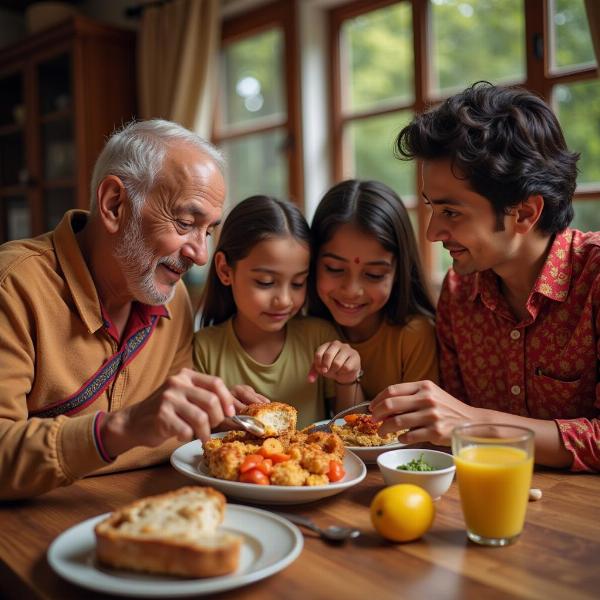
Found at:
(357, 260)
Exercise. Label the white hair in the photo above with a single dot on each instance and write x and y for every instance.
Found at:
(136, 152)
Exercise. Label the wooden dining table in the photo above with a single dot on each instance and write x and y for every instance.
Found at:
(557, 556)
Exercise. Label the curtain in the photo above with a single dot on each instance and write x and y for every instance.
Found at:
(592, 8)
(178, 47)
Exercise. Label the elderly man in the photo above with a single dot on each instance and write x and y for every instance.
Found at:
(96, 324)
(518, 317)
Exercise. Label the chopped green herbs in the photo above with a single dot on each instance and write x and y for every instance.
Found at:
(416, 464)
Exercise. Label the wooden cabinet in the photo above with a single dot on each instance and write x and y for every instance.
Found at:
(62, 91)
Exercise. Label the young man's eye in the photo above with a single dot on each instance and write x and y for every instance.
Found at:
(450, 213)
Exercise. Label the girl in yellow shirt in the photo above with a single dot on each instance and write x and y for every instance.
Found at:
(369, 282)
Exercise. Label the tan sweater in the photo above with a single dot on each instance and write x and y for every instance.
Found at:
(60, 364)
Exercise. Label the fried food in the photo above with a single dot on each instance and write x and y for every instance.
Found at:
(362, 430)
(289, 473)
(292, 458)
(276, 417)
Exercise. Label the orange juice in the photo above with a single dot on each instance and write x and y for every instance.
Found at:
(494, 486)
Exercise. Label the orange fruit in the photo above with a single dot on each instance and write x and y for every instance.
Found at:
(402, 513)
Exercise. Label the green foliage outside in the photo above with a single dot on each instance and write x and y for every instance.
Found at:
(578, 108)
(476, 40)
(571, 32)
(378, 49)
(370, 143)
(254, 61)
(256, 165)
(587, 215)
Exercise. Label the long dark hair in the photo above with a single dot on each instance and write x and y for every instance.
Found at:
(376, 210)
(506, 142)
(251, 221)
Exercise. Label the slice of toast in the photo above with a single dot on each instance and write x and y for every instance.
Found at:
(277, 417)
(175, 533)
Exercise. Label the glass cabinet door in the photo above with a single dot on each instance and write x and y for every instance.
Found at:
(56, 203)
(57, 140)
(15, 217)
(12, 131)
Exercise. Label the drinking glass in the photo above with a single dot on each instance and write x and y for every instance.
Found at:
(494, 464)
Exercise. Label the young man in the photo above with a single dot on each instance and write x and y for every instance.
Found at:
(95, 323)
(518, 318)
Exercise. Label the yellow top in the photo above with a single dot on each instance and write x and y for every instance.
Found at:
(397, 353)
(218, 351)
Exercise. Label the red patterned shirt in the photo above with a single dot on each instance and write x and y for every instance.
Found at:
(546, 366)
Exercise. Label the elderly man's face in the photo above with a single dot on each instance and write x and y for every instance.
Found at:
(170, 236)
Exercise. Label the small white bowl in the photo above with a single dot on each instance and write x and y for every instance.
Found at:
(435, 482)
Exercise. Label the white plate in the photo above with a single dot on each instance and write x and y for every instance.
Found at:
(270, 544)
(368, 454)
(188, 459)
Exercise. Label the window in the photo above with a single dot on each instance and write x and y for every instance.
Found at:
(257, 118)
(392, 58)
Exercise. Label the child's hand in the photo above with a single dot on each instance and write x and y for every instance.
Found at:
(335, 360)
(244, 395)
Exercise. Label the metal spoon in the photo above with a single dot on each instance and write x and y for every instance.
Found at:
(333, 533)
(362, 408)
(250, 424)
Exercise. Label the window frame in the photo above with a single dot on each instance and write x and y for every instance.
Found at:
(539, 79)
(280, 14)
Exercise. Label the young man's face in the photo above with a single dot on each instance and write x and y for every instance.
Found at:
(465, 222)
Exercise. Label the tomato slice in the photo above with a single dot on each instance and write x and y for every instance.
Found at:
(351, 418)
(251, 462)
(336, 471)
(254, 476)
(266, 466)
(280, 457)
(276, 457)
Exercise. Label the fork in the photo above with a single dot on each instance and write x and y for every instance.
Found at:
(362, 408)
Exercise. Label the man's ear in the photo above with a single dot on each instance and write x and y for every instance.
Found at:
(222, 268)
(111, 200)
(528, 213)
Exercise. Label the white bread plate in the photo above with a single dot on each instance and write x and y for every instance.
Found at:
(368, 454)
(188, 459)
(270, 543)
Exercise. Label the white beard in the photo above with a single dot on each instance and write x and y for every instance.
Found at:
(139, 265)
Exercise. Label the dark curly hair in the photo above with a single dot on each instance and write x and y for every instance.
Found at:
(506, 142)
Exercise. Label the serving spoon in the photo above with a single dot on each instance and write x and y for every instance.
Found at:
(333, 533)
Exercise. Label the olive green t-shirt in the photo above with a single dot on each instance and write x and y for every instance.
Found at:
(217, 351)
